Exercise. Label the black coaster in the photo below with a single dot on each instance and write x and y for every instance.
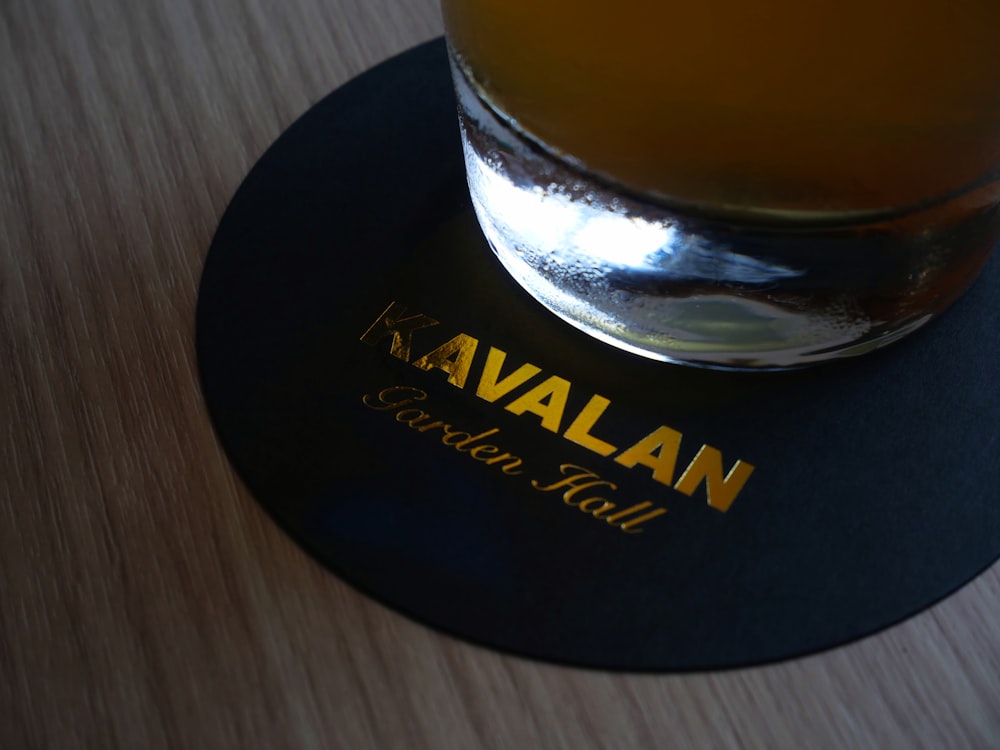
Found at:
(443, 443)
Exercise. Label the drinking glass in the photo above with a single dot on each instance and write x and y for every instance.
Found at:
(733, 184)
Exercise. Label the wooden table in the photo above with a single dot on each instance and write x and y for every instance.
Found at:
(147, 600)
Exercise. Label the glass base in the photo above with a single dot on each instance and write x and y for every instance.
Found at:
(673, 285)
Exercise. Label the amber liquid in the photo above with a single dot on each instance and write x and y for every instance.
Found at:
(820, 108)
(734, 184)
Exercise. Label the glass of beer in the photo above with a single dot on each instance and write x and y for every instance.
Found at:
(733, 184)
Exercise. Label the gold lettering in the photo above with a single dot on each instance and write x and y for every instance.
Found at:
(657, 451)
(417, 416)
(385, 395)
(436, 424)
(392, 323)
(577, 479)
(454, 357)
(461, 441)
(483, 450)
(491, 387)
(599, 512)
(579, 431)
(581, 479)
(547, 400)
(460, 446)
(707, 466)
(512, 463)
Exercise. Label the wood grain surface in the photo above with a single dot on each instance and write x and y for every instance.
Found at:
(146, 601)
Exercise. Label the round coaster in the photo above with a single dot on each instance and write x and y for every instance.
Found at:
(444, 444)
